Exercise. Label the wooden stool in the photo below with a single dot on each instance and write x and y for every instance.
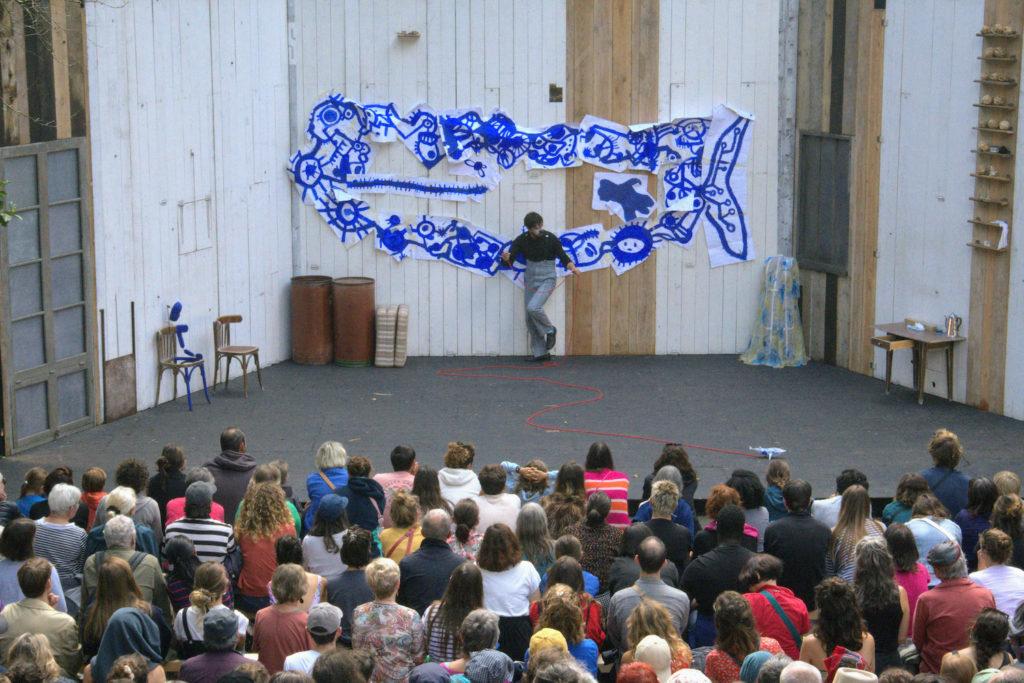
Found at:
(223, 349)
(889, 343)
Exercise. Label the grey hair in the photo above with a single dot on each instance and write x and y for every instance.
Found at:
(122, 500)
(957, 570)
(479, 631)
(436, 524)
(119, 533)
(771, 670)
(664, 498)
(198, 474)
(533, 534)
(800, 672)
(566, 670)
(330, 454)
(670, 473)
(63, 498)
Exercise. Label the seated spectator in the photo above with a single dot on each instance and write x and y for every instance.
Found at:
(129, 631)
(778, 613)
(776, 477)
(211, 585)
(771, 670)
(30, 660)
(36, 614)
(404, 464)
(854, 524)
(443, 618)
(1007, 482)
(31, 490)
(569, 546)
(736, 637)
(909, 488)
(707, 538)
(651, 557)
(264, 519)
(682, 514)
(1005, 582)
(637, 672)
(800, 541)
(567, 571)
(340, 665)
(214, 541)
(1008, 517)
(270, 474)
(531, 482)
(231, 471)
(476, 632)
(120, 502)
(426, 572)
(931, 525)
(567, 504)
(625, 571)
(715, 572)
(349, 589)
(250, 672)
(288, 550)
(839, 626)
(321, 547)
(176, 506)
(650, 618)
(676, 537)
(673, 454)
(117, 587)
(827, 511)
(988, 642)
(280, 629)
(947, 483)
(800, 672)
(600, 539)
(404, 537)
(751, 493)
(365, 496)
(495, 505)
(490, 666)
(169, 480)
(911, 575)
(957, 668)
(393, 633)
(60, 541)
(465, 539)
(510, 584)
(16, 547)
(561, 612)
(974, 518)
(456, 477)
(58, 475)
(944, 614)
(182, 562)
(600, 475)
(135, 475)
(220, 636)
(119, 534)
(324, 626)
(750, 670)
(427, 488)
(532, 532)
(94, 480)
(883, 603)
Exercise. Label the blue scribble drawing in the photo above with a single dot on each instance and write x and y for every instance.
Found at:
(421, 133)
(724, 214)
(554, 147)
(189, 360)
(629, 246)
(605, 143)
(428, 188)
(624, 195)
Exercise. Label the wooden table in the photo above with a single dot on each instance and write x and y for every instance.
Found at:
(924, 342)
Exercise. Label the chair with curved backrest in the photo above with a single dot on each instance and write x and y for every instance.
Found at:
(224, 349)
(167, 359)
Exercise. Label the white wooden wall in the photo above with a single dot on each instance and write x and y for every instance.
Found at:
(189, 115)
(1013, 402)
(719, 51)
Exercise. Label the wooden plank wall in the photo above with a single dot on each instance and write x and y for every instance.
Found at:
(189, 104)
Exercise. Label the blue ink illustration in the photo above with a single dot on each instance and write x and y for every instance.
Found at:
(191, 360)
(626, 198)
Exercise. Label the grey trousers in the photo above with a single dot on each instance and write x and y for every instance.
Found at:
(539, 279)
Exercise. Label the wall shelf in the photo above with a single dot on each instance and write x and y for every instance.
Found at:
(993, 178)
(1005, 84)
(993, 202)
(986, 224)
(1005, 155)
(1008, 107)
(1007, 36)
(985, 247)
(1010, 59)
(999, 131)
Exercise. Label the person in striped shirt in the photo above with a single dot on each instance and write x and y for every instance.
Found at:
(213, 540)
(59, 540)
(600, 475)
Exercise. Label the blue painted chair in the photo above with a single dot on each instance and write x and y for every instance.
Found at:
(166, 340)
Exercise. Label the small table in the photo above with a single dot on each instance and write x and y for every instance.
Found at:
(923, 342)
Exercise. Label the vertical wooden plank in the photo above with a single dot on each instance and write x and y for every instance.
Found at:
(39, 71)
(78, 88)
(61, 70)
(13, 76)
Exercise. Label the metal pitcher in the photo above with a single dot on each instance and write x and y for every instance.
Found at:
(953, 323)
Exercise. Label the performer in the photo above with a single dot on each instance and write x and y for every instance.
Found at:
(540, 248)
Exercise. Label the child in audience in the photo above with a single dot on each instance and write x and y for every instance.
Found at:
(777, 477)
(93, 481)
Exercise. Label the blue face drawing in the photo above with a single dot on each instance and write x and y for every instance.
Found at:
(631, 245)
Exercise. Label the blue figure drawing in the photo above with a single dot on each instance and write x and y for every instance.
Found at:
(188, 356)
(634, 202)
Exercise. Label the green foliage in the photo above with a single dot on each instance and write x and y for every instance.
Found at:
(7, 213)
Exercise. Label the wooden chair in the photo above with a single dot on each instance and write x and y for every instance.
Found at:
(223, 349)
(167, 358)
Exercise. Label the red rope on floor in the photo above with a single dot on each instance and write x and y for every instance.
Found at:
(596, 395)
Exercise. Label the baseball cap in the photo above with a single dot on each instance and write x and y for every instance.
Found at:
(324, 619)
(489, 666)
(220, 629)
(332, 506)
(199, 493)
(654, 651)
(847, 674)
(545, 638)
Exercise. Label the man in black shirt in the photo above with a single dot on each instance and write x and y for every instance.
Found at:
(540, 248)
(800, 541)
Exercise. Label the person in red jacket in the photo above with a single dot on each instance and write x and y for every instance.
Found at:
(778, 612)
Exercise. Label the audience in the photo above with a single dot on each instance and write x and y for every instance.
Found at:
(35, 613)
(567, 571)
(827, 511)
(16, 547)
(1005, 582)
(532, 532)
(854, 524)
(117, 588)
(392, 632)
(176, 506)
(181, 563)
(349, 589)
(271, 473)
(675, 455)
(1008, 517)
(1007, 482)
(169, 481)
(987, 649)
(119, 534)
(911, 575)
(600, 540)
(567, 505)
(476, 631)
(494, 503)
(30, 659)
(625, 571)
(129, 631)
(530, 482)
(883, 603)
(365, 496)
(839, 634)
(443, 618)
(707, 538)
(280, 629)
(975, 517)
(323, 625)
(120, 502)
(207, 596)
(651, 557)
(560, 611)
(263, 520)
(220, 634)
(330, 476)
(94, 480)
(778, 613)
(675, 536)
(466, 537)
(751, 491)
(321, 547)
(31, 490)
(456, 478)
(134, 474)
(908, 489)
(650, 618)
(800, 541)
(213, 540)
(405, 536)
(947, 483)
(570, 547)
(404, 464)
(931, 525)
(426, 486)
(736, 637)
(61, 541)
(510, 584)
(600, 475)
(426, 572)
(231, 471)
(681, 514)
(777, 476)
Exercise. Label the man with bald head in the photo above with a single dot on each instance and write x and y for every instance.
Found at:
(425, 572)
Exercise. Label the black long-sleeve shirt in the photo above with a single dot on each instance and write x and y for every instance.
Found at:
(545, 247)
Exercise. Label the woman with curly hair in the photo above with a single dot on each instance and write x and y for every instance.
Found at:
(567, 571)
(405, 536)
(567, 504)
(427, 488)
(883, 603)
(1008, 517)
(839, 625)
(854, 524)
(30, 660)
(908, 489)
(707, 538)
(560, 610)
(988, 641)
(264, 518)
(441, 621)
(675, 455)
(974, 519)
(650, 618)
(736, 637)
(456, 477)
(510, 583)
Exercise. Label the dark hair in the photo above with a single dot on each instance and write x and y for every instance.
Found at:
(464, 593)
(33, 575)
(172, 459)
(797, 495)
(945, 449)
(651, 555)
(839, 622)
(34, 479)
(570, 479)
(929, 505)
(674, 454)
(734, 620)
(981, 497)
(532, 220)
(749, 486)
(427, 489)
(355, 548)
(93, 480)
(359, 466)
(327, 529)
(492, 479)
(133, 474)
(324, 639)
(902, 546)
(567, 570)
(231, 439)
(759, 568)
(402, 458)
(17, 539)
(499, 549)
(988, 635)
(568, 546)
(730, 524)
(180, 553)
(909, 488)
(848, 478)
(598, 507)
(599, 457)
(339, 664)
(58, 475)
(288, 550)
(198, 510)
(632, 537)
(873, 578)
(465, 517)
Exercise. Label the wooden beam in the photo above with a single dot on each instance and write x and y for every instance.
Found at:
(13, 76)
(77, 67)
(61, 71)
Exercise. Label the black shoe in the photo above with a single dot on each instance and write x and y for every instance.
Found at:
(540, 359)
(549, 343)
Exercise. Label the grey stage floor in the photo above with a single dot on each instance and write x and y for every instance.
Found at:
(826, 418)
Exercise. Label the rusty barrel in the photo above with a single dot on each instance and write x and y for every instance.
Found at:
(354, 306)
(312, 320)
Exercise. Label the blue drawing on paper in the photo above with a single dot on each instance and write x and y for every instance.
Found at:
(554, 147)
(629, 246)
(626, 198)
(418, 187)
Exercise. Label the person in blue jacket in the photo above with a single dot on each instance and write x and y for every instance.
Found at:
(683, 514)
(947, 482)
(365, 496)
(330, 476)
